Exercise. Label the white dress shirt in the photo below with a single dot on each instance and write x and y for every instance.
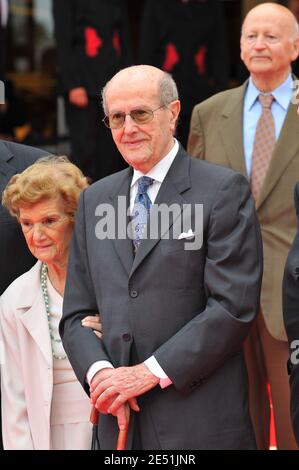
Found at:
(157, 173)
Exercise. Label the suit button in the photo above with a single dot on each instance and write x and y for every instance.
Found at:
(193, 384)
(133, 294)
(126, 337)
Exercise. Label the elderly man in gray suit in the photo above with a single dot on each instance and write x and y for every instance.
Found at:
(174, 316)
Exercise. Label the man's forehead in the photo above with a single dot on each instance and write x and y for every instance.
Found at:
(130, 82)
(267, 17)
(138, 93)
(254, 23)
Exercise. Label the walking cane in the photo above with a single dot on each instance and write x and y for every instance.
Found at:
(94, 417)
(122, 435)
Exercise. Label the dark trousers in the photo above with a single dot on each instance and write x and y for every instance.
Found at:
(93, 149)
(145, 437)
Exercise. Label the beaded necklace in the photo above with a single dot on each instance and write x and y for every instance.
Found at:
(43, 280)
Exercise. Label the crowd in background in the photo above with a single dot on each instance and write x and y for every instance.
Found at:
(200, 54)
(196, 53)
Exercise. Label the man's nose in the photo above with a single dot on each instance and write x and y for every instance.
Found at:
(129, 124)
(260, 42)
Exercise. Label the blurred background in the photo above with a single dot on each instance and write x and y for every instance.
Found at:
(33, 112)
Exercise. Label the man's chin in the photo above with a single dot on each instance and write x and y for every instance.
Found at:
(136, 159)
(260, 63)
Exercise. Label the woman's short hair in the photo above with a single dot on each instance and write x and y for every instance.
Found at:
(45, 179)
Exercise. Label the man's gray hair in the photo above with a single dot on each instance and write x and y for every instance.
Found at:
(168, 91)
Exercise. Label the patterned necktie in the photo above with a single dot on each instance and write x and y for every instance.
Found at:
(263, 146)
(141, 209)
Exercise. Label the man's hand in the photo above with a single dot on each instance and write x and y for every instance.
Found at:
(78, 97)
(122, 412)
(112, 388)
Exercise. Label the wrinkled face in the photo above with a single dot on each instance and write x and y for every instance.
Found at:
(141, 145)
(268, 45)
(47, 230)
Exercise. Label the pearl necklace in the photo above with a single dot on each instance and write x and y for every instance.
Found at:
(43, 280)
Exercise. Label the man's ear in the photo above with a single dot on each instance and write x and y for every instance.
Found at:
(241, 49)
(174, 107)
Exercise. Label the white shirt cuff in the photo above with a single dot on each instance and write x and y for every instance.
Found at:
(153, 365)
(95, 367)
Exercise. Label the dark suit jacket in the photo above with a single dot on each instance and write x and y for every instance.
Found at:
(191, 309)
(189, 41)
(78, 66)
(15, 256)
(291, 319)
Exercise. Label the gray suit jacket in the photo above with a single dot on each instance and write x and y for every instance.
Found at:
(191, 309)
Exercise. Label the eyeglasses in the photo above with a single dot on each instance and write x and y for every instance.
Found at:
(140, 116)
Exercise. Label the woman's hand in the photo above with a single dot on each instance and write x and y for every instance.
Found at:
(94, 322)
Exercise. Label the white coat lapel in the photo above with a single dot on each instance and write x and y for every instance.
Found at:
(34, 316)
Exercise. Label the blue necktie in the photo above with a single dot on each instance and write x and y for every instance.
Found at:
(141, 209)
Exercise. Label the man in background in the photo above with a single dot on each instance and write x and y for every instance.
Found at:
(187, 39)
(93, 43)
(254, 130)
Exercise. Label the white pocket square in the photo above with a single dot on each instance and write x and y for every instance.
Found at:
(190, 234)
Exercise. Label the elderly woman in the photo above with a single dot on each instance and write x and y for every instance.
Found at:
(43, 404)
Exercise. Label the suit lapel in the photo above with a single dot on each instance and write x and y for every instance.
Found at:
(285, 149)
(34, 317)
(123, 245)
(231, 130)
(175, 183)
(6, 170)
